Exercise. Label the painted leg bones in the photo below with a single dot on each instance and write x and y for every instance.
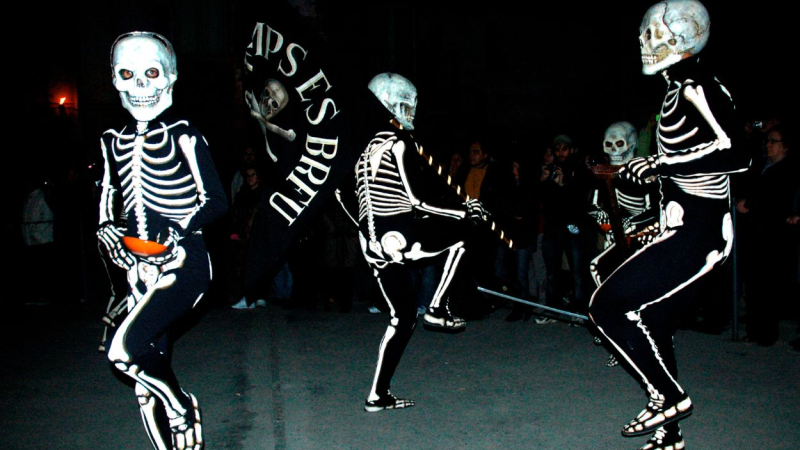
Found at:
(140, 347)
(397, 281)
(399, 229)
(635, 204)
(636, 308)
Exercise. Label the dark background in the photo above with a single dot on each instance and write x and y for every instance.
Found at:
(483, 70)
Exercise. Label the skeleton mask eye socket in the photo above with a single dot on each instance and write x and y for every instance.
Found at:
(648, 34)
(608, 144)
(620, 143)
(152, 73)
(125, 74)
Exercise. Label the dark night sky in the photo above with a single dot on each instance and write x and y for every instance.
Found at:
(483, 69)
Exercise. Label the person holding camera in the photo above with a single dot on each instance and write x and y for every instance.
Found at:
(566, 185)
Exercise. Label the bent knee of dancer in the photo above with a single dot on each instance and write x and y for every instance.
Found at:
(404, 315)
(125, 353)
(600, 306)
(118, 355)
(606, 308)
(404, 323)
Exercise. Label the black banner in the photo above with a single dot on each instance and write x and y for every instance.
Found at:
(297, 97)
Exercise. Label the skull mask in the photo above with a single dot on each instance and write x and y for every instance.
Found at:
(620, 142)
(143, 71)
(398, 95)
(273, 99)
(671, 31)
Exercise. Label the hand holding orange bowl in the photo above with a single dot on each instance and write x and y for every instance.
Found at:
(141, 247)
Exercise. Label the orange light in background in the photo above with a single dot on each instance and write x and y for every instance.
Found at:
(63, 99)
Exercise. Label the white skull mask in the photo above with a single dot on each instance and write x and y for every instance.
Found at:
(620, 142)
(671, 31)
(398, 95)
(273, 99)
(143, 71)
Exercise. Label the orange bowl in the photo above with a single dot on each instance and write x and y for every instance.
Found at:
(141, 247)
(605, 227)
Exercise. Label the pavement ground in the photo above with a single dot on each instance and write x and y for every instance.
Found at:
(275, 379)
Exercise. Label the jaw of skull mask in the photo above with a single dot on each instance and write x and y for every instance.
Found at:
(671, 31)
(273, 99)
(144, 71)
(398, 95)
(620, 142)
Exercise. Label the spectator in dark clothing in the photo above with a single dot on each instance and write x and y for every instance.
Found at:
(517, 212)
(341, 254)
(482, 180)
(773, 241)
(245, 205)
(566, 188)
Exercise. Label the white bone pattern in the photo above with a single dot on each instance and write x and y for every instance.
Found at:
(151, 182)
(631, 205)
(380, 188)
(713, 186)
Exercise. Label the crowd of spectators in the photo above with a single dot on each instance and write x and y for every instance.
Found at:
(540, 197)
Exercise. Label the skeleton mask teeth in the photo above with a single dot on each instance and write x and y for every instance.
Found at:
(409, 111)
(650, 59)
(144, 102)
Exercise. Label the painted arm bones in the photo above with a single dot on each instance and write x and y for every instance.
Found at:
(708, 158)
(211, 200)
(473, 209)
(108, 233)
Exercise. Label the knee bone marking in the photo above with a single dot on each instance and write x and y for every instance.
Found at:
(175, 411)
(114, 310)
(594, 273)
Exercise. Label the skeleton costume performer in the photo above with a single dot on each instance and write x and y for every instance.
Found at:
(637, 203)
(636, 308)
(398, 228)
(159, 185)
